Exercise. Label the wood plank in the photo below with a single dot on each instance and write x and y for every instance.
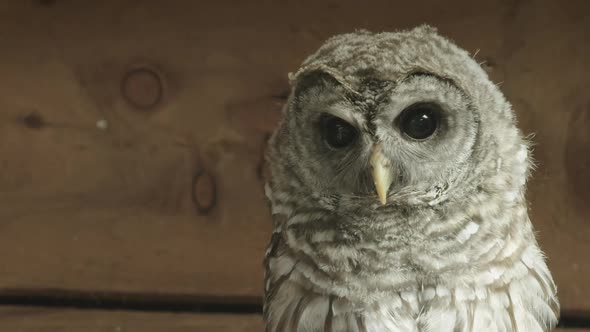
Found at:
(97, 187)
(70, 320)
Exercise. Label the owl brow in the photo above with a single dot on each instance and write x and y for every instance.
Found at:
(373, 93)
(446, 80)
(423, 73)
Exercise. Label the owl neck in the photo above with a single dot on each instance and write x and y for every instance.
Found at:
(401, 248)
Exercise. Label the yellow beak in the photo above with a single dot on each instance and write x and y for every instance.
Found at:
(382, 173)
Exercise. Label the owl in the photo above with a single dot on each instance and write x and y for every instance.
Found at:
(397, 190)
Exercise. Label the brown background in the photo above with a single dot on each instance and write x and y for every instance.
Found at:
(131, 136)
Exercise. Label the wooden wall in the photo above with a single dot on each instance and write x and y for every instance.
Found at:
(131, 137)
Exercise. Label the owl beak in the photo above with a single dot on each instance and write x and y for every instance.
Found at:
(382, 173)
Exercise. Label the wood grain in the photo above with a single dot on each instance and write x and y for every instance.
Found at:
(97, 184)
(71, 320)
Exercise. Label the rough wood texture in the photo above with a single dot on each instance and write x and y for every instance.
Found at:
(69, 320)
(111, 112)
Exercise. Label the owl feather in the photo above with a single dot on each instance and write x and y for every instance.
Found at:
(397, 191)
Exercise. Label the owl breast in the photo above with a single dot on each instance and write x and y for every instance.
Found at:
(299, 298)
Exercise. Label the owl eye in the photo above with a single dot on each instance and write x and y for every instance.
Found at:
(419, 121)
(337, 132)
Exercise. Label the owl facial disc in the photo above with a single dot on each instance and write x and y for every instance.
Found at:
(382, 172)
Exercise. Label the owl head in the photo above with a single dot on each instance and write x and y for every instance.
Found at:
(395, 119)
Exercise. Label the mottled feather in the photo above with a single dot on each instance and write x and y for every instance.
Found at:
(452, 249)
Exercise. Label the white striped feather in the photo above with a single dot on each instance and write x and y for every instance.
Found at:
(524, 300)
